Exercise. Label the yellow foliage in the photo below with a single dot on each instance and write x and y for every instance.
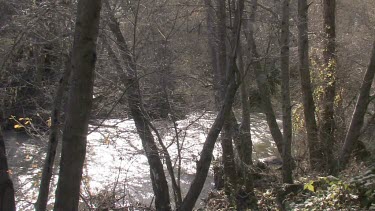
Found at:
(309, 186)
(18, 126)
(49, 122)
(106, 140)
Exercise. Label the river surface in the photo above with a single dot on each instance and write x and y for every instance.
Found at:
(115, 161)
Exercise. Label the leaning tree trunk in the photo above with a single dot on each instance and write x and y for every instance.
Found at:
(6, 185)
(41, 203)
(158, 178)
(307, 92)
(285, 93)
(261, 80)
(79, 105)
(327, 122)
(204, 162)
(358, 115)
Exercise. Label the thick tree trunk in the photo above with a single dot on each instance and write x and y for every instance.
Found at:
(327, 122)
(41, 203)
(79, 105)
(358, 116)
(6, 185)
(158, 179)
(261, 80)
(307, 92)
(285, 93)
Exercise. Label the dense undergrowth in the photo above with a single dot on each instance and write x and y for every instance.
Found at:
(353, 190)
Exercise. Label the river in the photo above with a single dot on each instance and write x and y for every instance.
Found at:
(116, 163)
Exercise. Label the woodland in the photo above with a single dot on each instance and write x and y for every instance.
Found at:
(187, 105)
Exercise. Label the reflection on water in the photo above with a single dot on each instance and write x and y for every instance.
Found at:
(116, 163)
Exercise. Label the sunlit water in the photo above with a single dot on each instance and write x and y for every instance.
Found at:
(116, 162)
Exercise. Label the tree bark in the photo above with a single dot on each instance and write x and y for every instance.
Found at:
(226, 134)
(212, 45)
(79, 105)
(307, 92)
(261, 80)
(285, 93)
(158, 179)
(327, 122)
(245, 145)
(47, 171)
(6, 185)
(356, 124)
(204, 162)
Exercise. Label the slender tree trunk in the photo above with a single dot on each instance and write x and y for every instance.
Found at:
(356, 124)
(6, 185)
(245, 145)
(221, 45)
(307, 92)
(226, 134)
(158, 179)
(230, 172)
(285, 92)
(204, 162)
(327, 122)
(41, 203)
(212, 45)
(79, 105)
(261, 80)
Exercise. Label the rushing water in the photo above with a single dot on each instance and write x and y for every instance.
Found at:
(116, 163)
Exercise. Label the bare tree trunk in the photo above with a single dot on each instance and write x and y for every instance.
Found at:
(356, 124)
(41, 203)
(226, 134)
(285, 92)
(261, 80)
(230, 172)
(204, 162)
(245, 145)
(79, 105)
(159, 181)
(307, 92)
(212, 45)
(327, 122)
(6, 185)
